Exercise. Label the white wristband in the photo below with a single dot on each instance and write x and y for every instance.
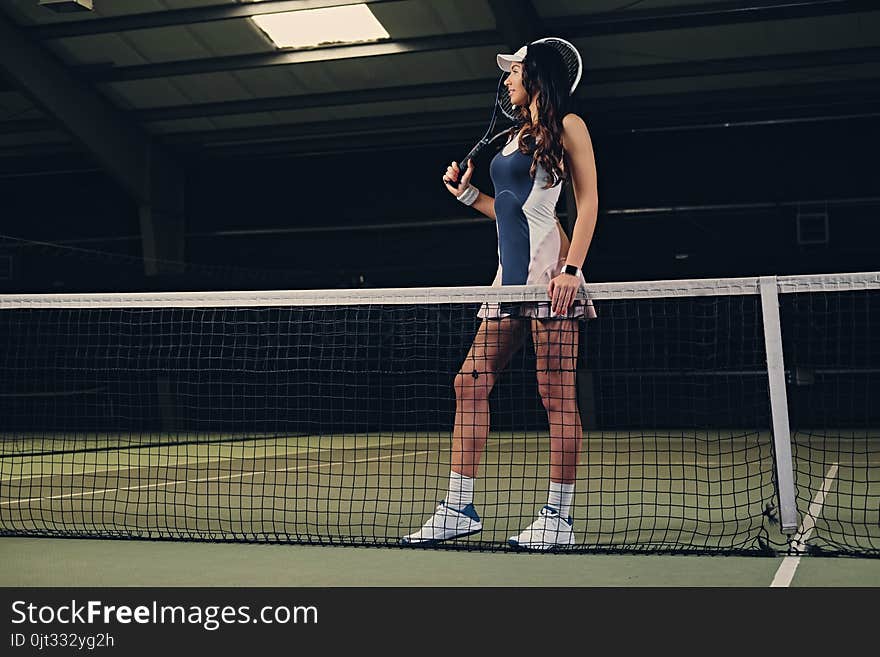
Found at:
(469, 195)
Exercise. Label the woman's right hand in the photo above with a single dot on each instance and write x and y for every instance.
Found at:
(455, 186)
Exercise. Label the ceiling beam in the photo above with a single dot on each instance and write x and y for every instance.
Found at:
(117, 143)
(847, 96)
(716, 67)
(513, 27)
(703, 15)
(852, 93)
(289, 57)
(853, 89)
(517, 21)
(140, 166)
(174, 17)
(484, 87)
(615, 22)
(482, 39)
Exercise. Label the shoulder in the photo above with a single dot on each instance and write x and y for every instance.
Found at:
(574, 131)
(573, 125)
(572, 121)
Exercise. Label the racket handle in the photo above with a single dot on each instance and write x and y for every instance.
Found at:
(463, 164)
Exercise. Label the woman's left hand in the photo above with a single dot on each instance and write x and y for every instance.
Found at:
(562, 291)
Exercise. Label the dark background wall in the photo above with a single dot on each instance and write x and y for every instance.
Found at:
(246, 217)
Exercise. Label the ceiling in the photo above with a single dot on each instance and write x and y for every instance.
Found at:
(201, 79)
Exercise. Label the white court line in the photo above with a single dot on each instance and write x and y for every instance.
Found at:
(196, 461)
(310, 450)
(789, 564)
(86, 473)
(237, 475)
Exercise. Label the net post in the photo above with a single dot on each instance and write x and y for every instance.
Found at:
(788, 513)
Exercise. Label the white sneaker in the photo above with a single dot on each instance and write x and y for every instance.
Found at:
(446, 523)
(549, 531)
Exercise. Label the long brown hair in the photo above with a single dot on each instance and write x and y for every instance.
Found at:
(544, 76)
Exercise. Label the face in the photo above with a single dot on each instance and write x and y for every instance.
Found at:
(515, 88)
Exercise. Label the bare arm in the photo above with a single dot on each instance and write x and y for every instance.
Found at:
(483, 203)
(581, 164)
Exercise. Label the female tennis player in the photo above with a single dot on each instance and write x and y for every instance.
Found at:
(545, 147)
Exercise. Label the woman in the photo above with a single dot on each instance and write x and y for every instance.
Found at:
(546, 146)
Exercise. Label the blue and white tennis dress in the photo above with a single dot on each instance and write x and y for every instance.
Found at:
(532, 247)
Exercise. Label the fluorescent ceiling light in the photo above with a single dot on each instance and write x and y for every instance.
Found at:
(315, 27)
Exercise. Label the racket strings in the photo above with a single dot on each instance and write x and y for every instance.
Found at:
(506, 106)
(571, 57)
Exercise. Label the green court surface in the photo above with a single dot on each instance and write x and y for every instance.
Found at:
(80, 563)
(681, 491)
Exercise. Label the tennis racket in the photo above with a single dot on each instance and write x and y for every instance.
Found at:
(503, 111)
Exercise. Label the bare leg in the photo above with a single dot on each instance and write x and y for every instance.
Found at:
(496, 341)
(556, 349)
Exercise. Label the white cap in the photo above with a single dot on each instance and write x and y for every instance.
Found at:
(504, 61)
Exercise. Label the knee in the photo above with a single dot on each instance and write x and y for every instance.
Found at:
(472, 386)
(556, 396)
(552, 402)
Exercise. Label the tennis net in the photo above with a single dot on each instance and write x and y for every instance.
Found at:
(328, 417)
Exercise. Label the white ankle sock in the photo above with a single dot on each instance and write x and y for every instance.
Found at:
(461, 490)
(560, 497)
